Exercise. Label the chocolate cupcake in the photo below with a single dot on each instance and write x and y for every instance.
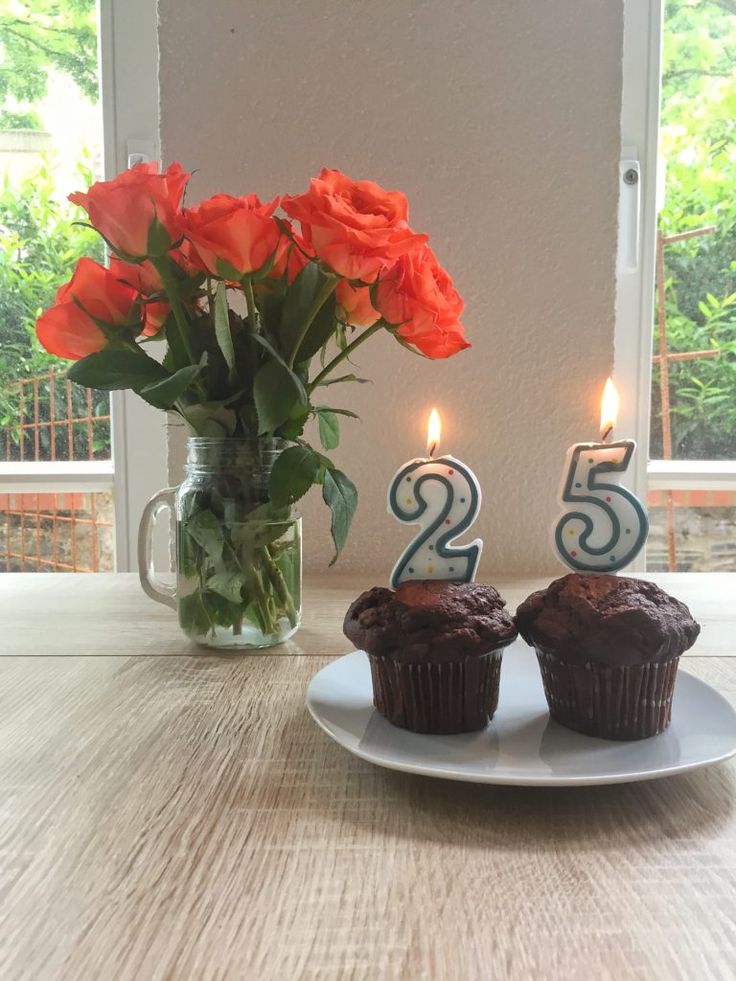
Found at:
(435, 652)
(608, 649)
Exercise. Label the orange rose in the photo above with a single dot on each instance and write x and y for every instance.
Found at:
(155, 314)
(231, 237)
(292, 255)
(355, 303)
(418, 296)
(93, 293)
(355, 227)
(144, 278)
(124, 209)
(186, 258)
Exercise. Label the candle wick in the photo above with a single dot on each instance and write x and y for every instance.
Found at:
(432, 448)
(606, 435)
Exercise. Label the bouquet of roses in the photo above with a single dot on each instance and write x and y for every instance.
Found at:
(259, 305)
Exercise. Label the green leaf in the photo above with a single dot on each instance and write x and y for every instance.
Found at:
(222, 330)
(278, 395)
(269, 307)
(320, 331)
(228, 583)
(164, 394)
(221, 611)
(293, 428)
(340, 495)
(408, 345)
(252, 534)
(326, 463)
(210, 419)
(112, 369)
(339, 412)
(329, 428)
(268, 346)
(297, 303)
(193, 614)
(206, 531)
(267, 513)
(293, 473)
(343, 378)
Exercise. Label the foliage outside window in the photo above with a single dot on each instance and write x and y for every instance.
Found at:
(41, 40)
(698, 143)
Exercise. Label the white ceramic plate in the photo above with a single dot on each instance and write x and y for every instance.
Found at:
(522, 745)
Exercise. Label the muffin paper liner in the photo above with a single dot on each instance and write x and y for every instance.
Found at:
(612, 703)
(457, 696)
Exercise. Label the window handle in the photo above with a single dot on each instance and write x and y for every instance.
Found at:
(629, 208)
(140, 151)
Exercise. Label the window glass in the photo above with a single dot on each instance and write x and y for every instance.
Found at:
(56, 532)
(694, 377)
(50, 145)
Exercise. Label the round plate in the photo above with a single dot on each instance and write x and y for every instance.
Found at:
(522, 745)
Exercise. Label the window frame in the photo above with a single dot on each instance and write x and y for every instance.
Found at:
(128, 56)
(128, 59)
(635, 285)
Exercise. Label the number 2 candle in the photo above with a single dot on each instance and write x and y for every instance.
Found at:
(442, 496)
(604, 525)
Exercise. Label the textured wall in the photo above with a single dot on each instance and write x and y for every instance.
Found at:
(500, 121)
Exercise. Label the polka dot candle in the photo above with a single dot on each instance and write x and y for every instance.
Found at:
(604, 525)
(441, 495)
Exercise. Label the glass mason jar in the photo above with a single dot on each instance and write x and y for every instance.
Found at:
(238, 558)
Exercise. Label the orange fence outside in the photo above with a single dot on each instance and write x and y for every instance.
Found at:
(692, 499)
(56, 532)
(50, 426)
(69, 532)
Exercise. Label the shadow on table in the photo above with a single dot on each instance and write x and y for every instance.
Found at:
(495, 816)
(322, 779)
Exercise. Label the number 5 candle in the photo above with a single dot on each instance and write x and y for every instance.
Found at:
(442, 496)
(604, 526)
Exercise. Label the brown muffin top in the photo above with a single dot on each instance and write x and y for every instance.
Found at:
(613, 620)
(430, 620)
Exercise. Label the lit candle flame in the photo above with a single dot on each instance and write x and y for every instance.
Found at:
(434, 429)
(609, 409)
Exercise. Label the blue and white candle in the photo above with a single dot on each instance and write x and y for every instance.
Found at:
(442, 496)
(604, 526)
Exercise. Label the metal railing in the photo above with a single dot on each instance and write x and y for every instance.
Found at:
(55, 421)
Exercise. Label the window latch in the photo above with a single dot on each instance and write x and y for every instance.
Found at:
(629, 210)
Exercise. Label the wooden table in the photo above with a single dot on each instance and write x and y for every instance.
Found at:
(168, 813)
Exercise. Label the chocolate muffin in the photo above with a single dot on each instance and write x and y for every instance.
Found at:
(435, 652)
(608, 649)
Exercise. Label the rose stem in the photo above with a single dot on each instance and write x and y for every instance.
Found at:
(251, 304)
(279, 584)
(262, 602)
(345, 353)
(170, 287)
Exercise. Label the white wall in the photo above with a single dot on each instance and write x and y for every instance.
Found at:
(500, 121)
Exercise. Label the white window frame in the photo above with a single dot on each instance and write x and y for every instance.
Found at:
(129, 100)
(129, 94)
(638, 224)
(643, 31)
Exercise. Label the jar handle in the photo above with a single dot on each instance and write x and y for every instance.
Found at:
(153, 586)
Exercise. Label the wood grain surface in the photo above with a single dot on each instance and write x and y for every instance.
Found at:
(182, 817)
(50, 614)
